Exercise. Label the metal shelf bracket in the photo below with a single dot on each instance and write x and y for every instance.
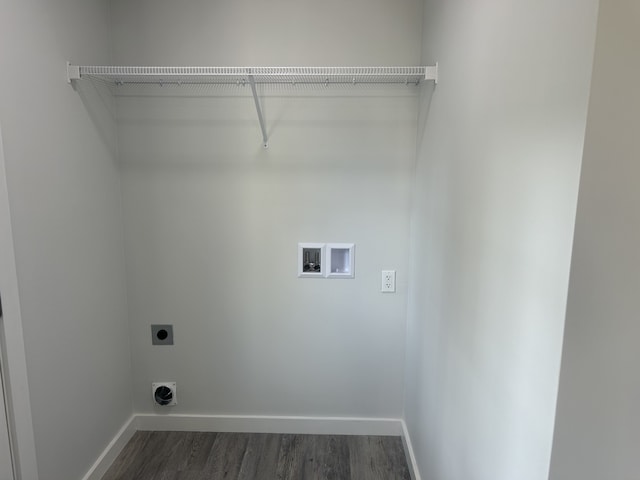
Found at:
(252, 82)
(73, 72)
(431, 73)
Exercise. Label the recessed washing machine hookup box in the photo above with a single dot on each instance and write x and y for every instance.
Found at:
(340, 260)
(310, 259)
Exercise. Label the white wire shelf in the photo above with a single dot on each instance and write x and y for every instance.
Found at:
(121, 75)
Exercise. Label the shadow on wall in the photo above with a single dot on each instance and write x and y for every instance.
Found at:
(426, 95)
(205, 126)
(100, 104)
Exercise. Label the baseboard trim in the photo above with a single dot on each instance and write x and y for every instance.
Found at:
(409, 454)
(271, 424)
(104, 461)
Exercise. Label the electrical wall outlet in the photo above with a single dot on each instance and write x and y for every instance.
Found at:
(388, 281)
(162, 334)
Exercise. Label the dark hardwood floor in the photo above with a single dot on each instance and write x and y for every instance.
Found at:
(231, 456)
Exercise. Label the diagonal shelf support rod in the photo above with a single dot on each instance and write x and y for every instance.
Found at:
(252, 82)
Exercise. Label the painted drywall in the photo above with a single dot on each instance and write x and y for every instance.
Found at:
(597, 420)
(65, 203)
(213, 220)
(6, 461)
(16, 386)
(500, 147)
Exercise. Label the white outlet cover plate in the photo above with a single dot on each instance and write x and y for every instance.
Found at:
(388, 281)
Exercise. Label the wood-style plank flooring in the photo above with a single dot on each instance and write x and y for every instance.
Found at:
(246, 456)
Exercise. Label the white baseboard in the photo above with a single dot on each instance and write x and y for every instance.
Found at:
(271, 424)
(408, 450)
(104, 461)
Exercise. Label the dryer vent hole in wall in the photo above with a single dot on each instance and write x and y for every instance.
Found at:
(164, 393)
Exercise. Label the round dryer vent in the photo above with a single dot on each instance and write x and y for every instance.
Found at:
(164, 393)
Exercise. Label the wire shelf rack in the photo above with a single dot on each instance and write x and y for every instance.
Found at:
(120, 76)
(123, 75)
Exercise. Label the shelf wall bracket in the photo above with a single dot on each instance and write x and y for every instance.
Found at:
(252, 82)
(431, 73)
(73, 72)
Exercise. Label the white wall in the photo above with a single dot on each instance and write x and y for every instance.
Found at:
(213, 220)
(597, 417)
(496, 187)
(64, 195)
(17, 449)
